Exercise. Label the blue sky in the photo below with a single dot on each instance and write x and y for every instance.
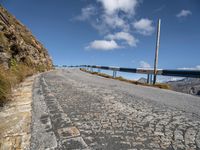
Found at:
(114, 32)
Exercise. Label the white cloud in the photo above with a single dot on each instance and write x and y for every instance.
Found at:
(131, 40)
(103, 45)
(184, 13)
(114, 15)
(86, 13)
(114, 21)
(144, 26)
(144, 64)
(102, 28)
(113, 6)
(111, 19)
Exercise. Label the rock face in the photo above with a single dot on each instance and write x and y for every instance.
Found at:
(17, 43)
(186, 85)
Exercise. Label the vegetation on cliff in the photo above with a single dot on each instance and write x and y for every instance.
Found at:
(21, 55)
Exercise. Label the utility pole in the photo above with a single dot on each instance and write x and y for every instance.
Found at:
(157, 50)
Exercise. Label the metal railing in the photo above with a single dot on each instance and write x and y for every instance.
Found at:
(149, 72)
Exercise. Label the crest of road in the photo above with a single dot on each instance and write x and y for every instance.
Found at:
(76, 110)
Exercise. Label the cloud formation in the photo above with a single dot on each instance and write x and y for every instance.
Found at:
(103, 45)
(144, 26)
(184, 13)
(113, 20)
(113, 6)
(144, 64)
(127, 37)
(86, 13)
(115, 15)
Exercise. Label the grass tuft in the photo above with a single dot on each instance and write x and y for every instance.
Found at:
(11, 77)
(5, 85)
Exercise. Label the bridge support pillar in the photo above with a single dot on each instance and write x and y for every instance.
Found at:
(114, 74)
(149, 79)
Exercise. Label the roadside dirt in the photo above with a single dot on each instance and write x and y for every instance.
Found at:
(15, 118)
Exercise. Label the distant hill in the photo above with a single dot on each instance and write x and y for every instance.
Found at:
(142, 80)
(186, 85)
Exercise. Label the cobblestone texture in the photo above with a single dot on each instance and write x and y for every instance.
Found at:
(81, 115)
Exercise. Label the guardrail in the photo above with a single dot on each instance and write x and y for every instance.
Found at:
(149, 72)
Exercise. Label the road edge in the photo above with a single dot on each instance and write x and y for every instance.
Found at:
(15, 125)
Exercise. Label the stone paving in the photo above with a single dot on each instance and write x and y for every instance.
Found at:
(69, 114)
(15, 118)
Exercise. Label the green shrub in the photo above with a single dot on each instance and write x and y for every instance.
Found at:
(41, 68)
(13, 62)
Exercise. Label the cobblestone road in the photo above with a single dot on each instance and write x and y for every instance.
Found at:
(76, 110)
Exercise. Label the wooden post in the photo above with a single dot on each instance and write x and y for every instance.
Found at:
(157, 50)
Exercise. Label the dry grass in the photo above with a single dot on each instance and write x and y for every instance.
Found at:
(10, 78)
(158, 85)
(14, 75)
(5, 85)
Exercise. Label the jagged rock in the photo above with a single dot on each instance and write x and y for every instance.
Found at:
(4, 59)
(1, 28)
(1, 48)
(17, 42)
(1, 25)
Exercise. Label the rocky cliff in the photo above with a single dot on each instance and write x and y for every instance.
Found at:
(21, 55)
(17, 44)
